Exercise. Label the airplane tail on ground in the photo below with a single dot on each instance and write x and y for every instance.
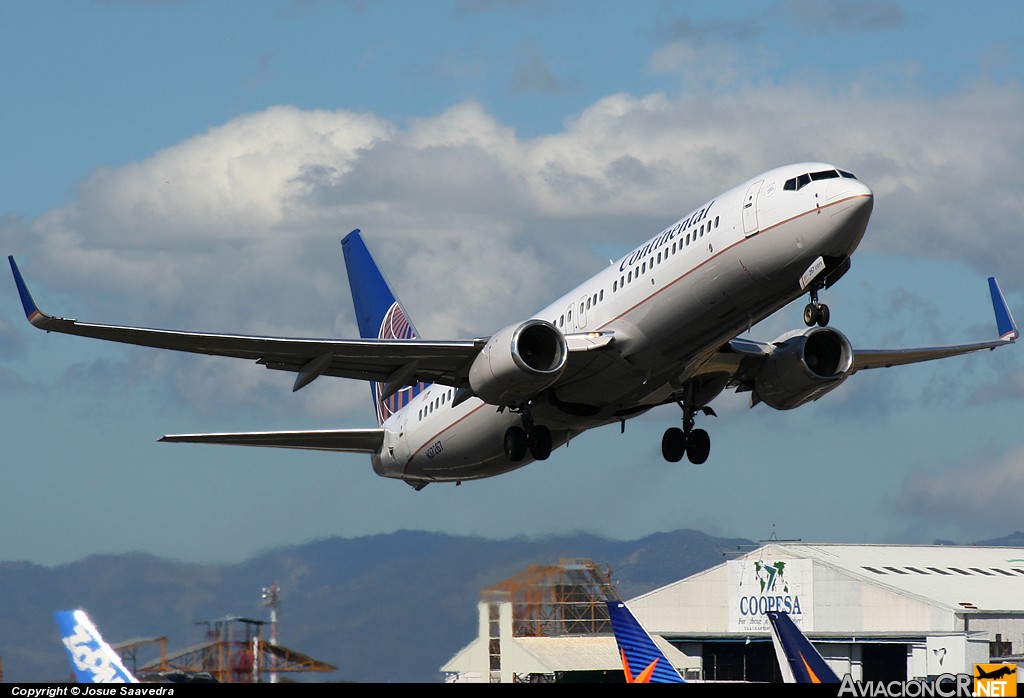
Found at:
(638, 651)
(380, 315)
(91, 657)
(799, 661)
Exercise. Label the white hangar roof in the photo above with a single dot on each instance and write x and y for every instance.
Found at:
(959, 577)
(875, 589)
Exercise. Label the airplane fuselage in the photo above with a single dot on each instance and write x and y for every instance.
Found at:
(671, 303)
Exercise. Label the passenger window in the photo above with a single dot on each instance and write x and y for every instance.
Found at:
(588, 305)
(716, 221)
(600, 296)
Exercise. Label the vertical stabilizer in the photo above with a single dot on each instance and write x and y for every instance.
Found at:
(642, 660)
(380, 315)
(799, 661)
(91, 657)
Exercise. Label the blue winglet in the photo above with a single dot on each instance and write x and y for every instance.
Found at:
(1004, 321)
(31, 311)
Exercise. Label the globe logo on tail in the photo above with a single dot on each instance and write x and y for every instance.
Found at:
(395, 325)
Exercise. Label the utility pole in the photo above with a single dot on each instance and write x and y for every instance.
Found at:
(270, 599)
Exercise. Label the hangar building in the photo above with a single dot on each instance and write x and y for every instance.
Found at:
(876, 612)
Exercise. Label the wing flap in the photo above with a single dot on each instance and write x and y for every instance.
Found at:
(344, 440)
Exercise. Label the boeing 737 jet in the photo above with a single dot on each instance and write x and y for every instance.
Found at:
(660, 326)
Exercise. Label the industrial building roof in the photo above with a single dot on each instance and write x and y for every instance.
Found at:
(959, 577)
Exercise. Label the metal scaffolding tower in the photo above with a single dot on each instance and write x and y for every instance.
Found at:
(564, 599)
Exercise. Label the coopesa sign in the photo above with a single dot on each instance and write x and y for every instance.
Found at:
(758, 587)
(760, 605)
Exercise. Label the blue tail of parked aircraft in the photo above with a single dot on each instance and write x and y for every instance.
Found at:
(799, 661)
(91, 657)
(637, 649)
(380, 315)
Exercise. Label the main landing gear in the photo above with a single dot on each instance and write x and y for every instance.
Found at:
(815, 313)
(694, 443)
(535, 438)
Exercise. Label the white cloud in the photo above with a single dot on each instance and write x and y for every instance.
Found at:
(968, 499)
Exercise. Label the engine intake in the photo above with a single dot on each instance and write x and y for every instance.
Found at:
(518, 362)
(803, 367)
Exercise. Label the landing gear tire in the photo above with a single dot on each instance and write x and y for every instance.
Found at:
(515, 444)
(823, 315)
(673, 445)
(698, 446)
(538, 441)
(812, 314)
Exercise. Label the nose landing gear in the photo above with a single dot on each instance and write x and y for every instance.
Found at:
(816, 313)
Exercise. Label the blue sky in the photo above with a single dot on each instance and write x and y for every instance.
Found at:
(193, 165)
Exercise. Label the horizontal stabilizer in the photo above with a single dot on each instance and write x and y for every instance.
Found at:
(346, 440)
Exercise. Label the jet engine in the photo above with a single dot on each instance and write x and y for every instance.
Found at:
(518, 362)
(803, 367)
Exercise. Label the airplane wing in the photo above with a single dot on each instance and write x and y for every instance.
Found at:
(346, 440)
(738, 349)
(364, 359)
(381, 360)
(884, 358)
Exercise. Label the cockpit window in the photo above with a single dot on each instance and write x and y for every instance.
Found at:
(797, 183)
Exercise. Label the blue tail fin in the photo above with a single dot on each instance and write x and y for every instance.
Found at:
(637, 649)
(380, 315)
(92, 659)
(799, 661)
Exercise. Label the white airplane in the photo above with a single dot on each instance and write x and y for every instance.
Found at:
(659, 326)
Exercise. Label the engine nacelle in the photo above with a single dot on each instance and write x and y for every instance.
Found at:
(518, 362)
(804, 367)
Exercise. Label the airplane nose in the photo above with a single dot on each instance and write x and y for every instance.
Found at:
(850, 204)
(846, 188)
